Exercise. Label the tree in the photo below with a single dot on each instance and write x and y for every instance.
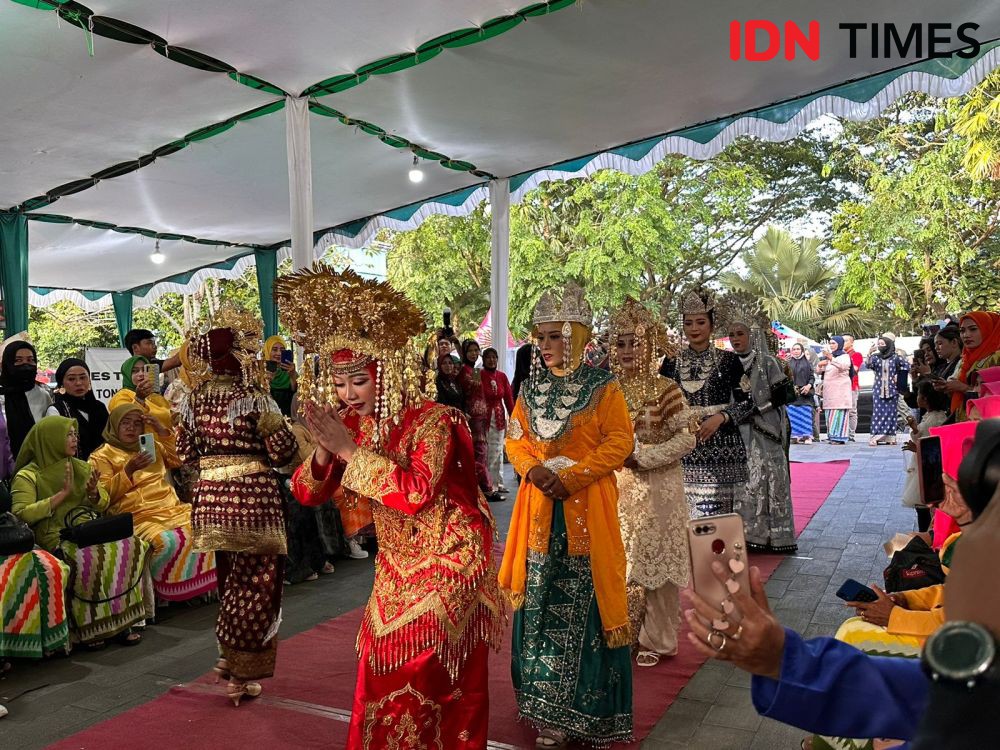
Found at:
(794, 285)
(644, 236)
(922, 239)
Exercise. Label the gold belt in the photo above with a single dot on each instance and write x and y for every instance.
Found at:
(221, 468)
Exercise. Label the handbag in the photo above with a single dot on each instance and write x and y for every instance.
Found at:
(913, 567)
(85, 527)
(15, 536)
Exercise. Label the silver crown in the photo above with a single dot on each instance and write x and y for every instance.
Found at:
(568, 307)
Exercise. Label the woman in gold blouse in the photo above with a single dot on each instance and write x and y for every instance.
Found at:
(137, 484)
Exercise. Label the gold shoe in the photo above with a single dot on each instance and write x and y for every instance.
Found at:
(239, 690)
(221, 670)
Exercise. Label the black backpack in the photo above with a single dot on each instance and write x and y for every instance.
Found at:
(913, 567)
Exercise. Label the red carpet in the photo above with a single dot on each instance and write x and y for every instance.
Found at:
(308, 703)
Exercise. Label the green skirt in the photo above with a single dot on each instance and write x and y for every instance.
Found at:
(565, 677)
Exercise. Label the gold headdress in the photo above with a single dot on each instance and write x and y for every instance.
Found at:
(698, 302)
(568, 307)
(329, 312)
(248, 331)
(742, 307)
(652, 343)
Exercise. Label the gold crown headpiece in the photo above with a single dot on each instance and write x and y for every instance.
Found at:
(328, 311)
(570, 306)
(697, 302)
(248, 332)
(742, 307)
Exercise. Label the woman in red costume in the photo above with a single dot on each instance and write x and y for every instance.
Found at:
(435, 608)
(234, 433)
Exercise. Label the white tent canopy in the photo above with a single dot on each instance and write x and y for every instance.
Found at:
(175, 129)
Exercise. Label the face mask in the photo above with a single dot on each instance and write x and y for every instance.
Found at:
(25, 373)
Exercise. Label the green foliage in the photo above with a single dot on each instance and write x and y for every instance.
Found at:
(64, 330)
(921, 240)
(620, 235)
(794, 285)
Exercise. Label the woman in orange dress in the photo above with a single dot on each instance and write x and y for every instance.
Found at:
(564, 563)
(435, 610)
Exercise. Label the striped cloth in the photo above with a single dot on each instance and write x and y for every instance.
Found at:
(32, 605)
(801, 417)
(107, 587)
(836, 421)
(180, 573)
(873, 640)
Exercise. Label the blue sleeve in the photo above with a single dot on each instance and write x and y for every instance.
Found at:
(832, 688)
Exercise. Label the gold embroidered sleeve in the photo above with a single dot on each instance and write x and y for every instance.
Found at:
(406, 488)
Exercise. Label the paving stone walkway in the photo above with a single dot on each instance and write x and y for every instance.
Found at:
(57, 697)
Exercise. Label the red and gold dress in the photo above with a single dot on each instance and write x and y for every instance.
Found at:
(235, 435)
(435, 607)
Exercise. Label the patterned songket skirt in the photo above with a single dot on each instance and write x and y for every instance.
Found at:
(565, 677)
(801, 417)
(249, 612)
(32, 605)
(418, 705)
(110, 588)
(180, 573)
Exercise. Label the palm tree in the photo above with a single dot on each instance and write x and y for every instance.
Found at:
(794, 285)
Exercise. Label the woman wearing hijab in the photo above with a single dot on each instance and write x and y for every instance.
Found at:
(800, 411)
(766, 507)
(107, 580)
(284, 378)
(138, 484)
(449, 392)
(478, 412)
(980, 333)
(24, 400)
(75, 399)
(891, 370)
(837, 400)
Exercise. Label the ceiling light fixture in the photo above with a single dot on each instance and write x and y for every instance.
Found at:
(157, 257)
(416, 174)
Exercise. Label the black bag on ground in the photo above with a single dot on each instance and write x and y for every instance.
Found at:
(913, 567)
(85, 527)
(15, 536)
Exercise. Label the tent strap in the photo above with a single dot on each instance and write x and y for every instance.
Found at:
(266, 262)
(14, 270)
(123, 303)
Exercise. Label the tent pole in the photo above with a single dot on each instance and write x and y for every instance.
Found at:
(300, 198)
(500, 268)
(14, 270)
(123, 303)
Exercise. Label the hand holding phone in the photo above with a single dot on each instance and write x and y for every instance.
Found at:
(854, 591)
(717, 539)
(147, 445)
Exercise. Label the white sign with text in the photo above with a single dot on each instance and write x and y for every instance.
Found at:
(105, 371)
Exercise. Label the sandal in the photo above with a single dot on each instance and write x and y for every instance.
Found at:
(327, 568)
(647, 659)
(873, 443)
(550, 739)
(129, 638)
(236, 691)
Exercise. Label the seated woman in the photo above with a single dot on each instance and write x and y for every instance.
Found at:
(106, 581)
(138, 484)
(74, 398)
(138, 388)
(32, 608)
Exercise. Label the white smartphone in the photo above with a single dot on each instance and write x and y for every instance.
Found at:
(147, 445)
(717, 538)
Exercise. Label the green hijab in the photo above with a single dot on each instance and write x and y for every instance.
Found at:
(127, 367)
(43, 454)
(110, 433)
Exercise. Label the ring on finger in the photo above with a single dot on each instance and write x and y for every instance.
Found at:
(722, 641)
(739, 631)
